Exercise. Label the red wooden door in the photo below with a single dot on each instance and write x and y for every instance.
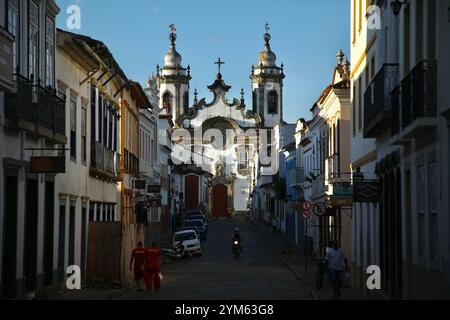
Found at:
(191, 185)
(220, 201)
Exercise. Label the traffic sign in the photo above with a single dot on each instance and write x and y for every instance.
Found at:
(319, 209)
(306, 206)
(306, 215)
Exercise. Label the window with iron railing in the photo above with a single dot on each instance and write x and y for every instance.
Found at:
(418, 93)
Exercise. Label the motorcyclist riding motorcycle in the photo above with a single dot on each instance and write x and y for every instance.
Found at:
(237, 249)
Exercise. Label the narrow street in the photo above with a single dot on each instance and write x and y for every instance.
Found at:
(258, 274)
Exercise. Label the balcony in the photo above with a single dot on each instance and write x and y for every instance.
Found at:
(51, 110)
(6, 61)
(297, 178)
(105, 163)
(416, 103)
(378, 103)
(37, 110)
(333, 167)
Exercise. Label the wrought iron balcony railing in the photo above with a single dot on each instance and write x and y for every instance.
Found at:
(51, 110)
(20, 104)
(418, 93)
(105, 162)
(377, 101)
(37, 105)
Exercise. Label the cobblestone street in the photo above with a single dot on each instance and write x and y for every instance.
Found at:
(262, 272)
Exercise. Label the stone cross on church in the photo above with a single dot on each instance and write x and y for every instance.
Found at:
(219, 63)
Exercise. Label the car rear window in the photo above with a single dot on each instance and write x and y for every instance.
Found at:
(196, 223)
(185, 236)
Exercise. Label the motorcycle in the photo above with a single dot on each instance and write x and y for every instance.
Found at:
(179, 252)
(236, 248)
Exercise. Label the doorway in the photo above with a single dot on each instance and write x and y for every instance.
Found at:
(10, 238)
(49, 231)
(220, 201)
(31, 235)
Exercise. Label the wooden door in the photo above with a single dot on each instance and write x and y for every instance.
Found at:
(220, 201)
(191, 192)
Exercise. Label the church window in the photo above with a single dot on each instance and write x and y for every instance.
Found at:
(272, 102)
(254, 101)
(167, 102)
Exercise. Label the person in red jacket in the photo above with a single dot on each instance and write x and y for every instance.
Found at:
(138, 257)
(152, 266)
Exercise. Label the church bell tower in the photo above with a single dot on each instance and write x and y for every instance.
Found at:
(173, 83)
(267, 86)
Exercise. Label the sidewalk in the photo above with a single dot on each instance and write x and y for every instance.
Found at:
(277, 242)
(92, 294)
(165, 241)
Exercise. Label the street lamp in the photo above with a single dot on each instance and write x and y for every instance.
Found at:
(397, 6)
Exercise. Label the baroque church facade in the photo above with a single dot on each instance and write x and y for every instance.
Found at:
(220, 148)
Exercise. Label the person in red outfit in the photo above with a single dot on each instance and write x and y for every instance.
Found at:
(138, 257)
(152, 266)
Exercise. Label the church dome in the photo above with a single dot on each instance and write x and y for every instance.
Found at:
(267, 57)
(172, 59)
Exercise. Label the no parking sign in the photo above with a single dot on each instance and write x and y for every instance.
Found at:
(306, 212)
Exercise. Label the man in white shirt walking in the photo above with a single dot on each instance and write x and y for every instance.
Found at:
(336, 262)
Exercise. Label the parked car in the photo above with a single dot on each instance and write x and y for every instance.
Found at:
(199, 226)
(201, 217)
(188, 228)
(190, 239)
(194, 213)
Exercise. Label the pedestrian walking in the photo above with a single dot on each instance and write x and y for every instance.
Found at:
(336, 261)
(138, 257)
(319, 258)
(152, 266)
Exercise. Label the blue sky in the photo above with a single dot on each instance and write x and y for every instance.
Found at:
(306, 36)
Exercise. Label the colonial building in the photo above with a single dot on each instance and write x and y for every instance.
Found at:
(365, 229)
(154, 221)
(97, 193)
(214, 171)
(267, 102)
(405, 104)
(148, 160)
(325, 162)
(32, 124)
(290, 220)
(284, 217)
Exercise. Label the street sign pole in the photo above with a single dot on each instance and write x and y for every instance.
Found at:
(306, 244)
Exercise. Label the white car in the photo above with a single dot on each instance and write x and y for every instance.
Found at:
(190, 239)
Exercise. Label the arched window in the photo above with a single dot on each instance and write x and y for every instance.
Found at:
(167, 102)
(254, 97)
(272, 102)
